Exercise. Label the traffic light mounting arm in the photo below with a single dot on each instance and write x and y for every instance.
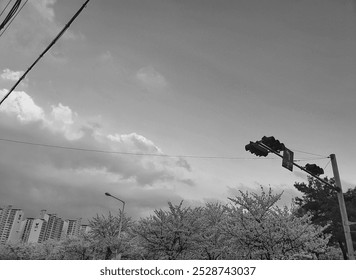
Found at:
(300, 167)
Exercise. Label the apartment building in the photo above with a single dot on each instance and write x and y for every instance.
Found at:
(71, 227)
(26, 229)
(14, 228)
(54, 227)
(10, 224)
(84, 229)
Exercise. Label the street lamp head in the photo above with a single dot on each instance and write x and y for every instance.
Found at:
(108, 194)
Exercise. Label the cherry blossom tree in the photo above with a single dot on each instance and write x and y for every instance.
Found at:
(261, 230)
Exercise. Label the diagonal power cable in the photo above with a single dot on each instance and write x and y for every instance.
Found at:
(12, 19)
(45, 51)
(8, 3)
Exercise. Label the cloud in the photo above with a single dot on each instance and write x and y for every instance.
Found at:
(183, 163)
(62, 114)
(135, 143)
(105, 57)
(152, 80)
(7, 74)
(72, 183)
(22, 106)
(61, 120)
(45, 8)
(35, 28)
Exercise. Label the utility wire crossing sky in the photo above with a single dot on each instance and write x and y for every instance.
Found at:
(149, 154)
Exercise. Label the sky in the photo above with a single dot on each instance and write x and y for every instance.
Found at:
(196, 80)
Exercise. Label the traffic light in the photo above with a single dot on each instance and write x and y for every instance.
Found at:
(313, 168)
(273, 143)
(254, 148)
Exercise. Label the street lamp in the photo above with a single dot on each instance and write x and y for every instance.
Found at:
(122, 213)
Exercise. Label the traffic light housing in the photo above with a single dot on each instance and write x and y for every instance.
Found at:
(273, 143)
(313, 168)
(254, 148)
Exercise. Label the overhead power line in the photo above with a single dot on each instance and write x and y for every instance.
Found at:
(308, 153)
(128, 153)
(8, 3)
(308, 159)
(327, 164)
(45, 51)
(12, 19)
(10, 14)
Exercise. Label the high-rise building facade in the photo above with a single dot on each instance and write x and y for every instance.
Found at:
(84, 229)
(37, 232)
(71, 228)
(10, 224)
(54, 227)
(14, 228)
(26, 229)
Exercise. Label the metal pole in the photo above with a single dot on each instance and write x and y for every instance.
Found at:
(121, 217)
(300, 167)
(345, 222)
(344, 218)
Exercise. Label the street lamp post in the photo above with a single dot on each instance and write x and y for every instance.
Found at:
(122, 213)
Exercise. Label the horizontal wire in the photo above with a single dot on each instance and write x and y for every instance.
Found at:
(130, 153)
(308, 153)
(306, 159)
(116, 152)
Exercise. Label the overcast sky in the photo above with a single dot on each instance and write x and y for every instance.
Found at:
(176, 77)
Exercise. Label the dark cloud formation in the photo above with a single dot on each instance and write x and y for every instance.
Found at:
(72, 183)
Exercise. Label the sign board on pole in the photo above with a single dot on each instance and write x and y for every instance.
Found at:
(287, 161)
